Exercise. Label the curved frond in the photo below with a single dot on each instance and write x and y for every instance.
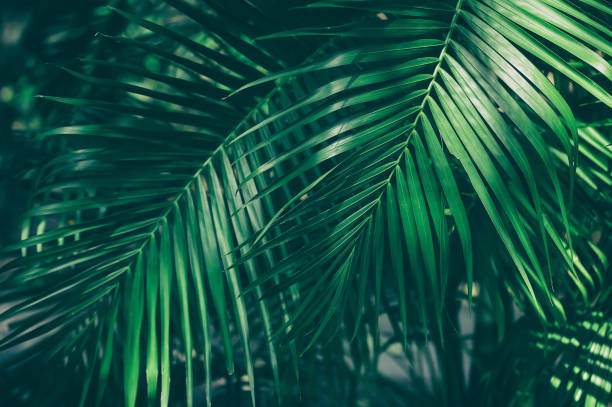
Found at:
(421, 115)
(144, 218)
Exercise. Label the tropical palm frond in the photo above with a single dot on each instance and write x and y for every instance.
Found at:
(590, 222)
(412, 96)
(136, 217)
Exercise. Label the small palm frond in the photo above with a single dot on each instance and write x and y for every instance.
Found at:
(566, 365)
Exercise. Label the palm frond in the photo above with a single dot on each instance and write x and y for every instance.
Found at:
(409, 99)
(566, 365)
(145, 225)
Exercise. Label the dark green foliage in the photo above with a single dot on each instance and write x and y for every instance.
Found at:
(263, 202)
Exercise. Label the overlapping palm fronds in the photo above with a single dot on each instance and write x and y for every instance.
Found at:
(262, 179)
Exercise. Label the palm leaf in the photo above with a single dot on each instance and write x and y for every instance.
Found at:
(124, 200)
(443, 87)
(567, 365)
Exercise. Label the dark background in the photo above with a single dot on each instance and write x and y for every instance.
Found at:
(36, 37)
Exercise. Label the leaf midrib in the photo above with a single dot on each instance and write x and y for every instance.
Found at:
(426, 98)
(174, 202)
